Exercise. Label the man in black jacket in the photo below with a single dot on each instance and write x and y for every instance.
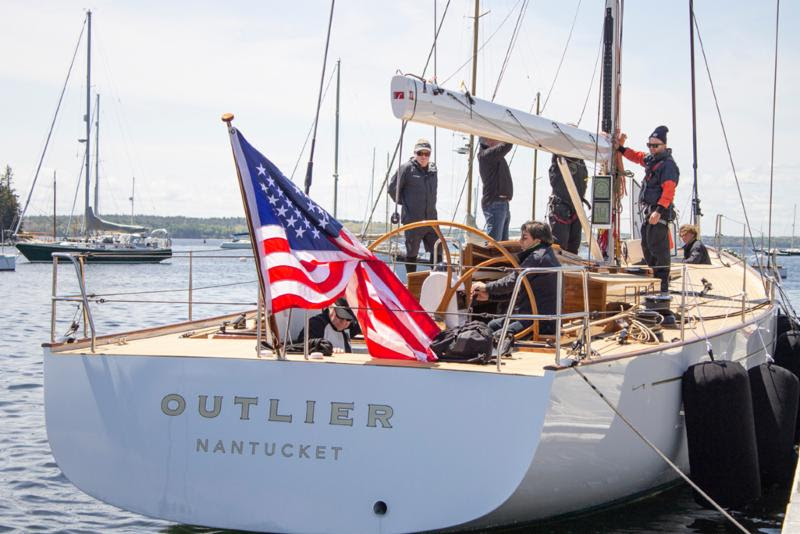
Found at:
(655, 199)
(413, 186)
(694, 251)
(497, 186)
(562, 214)
(535, 239)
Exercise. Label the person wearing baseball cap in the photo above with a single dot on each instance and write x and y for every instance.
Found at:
(655, 199)
(332, 324)
(413, 186)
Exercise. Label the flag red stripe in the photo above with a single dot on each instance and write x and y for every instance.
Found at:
(287, 272)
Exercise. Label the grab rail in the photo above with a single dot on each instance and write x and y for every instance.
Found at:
(77, 261)
(558, 316)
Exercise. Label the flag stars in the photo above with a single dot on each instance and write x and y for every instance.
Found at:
(282, 211)
(263, 187)
(291, 221)
(272, 200)
(300, 231)
(261, 169)
(306, 223)
(315, 233)
(270, 181)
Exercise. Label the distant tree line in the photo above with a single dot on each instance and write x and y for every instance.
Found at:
(9, 202)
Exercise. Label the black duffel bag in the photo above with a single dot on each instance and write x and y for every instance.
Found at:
(467, 343)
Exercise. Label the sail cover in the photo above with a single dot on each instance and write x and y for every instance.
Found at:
(95, 224)
(419, 101)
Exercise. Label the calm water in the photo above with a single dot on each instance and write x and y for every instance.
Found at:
(36, 497)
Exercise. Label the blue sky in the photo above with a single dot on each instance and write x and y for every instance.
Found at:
(166, 71)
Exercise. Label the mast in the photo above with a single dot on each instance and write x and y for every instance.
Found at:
(133, 190)
(336, 144)
(470, 216)
(794, 220)
(97, 156)
(696, 213)
(88, 120)
(435, 44)
(612, 49)
(535, 166)
(54, 205)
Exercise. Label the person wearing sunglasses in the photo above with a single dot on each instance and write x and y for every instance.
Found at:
(655, 199)
(413, 186)
(497, 186)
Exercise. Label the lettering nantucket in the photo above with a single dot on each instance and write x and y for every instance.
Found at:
(252, 408)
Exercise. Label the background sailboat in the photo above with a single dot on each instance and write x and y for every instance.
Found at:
(102, 241)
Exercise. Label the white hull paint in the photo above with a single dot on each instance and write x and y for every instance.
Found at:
(465, 449)
(242, 244)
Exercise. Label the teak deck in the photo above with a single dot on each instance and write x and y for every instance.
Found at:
(721, 310)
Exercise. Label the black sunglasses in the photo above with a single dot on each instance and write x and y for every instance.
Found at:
(425, 154)
(654, 145)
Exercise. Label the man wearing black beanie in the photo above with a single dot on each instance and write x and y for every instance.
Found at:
(655, 199)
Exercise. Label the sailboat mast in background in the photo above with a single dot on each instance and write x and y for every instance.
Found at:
(88, 120)
(97, 156)
(470, 216)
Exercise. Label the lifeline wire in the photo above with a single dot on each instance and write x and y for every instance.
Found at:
(661, 454)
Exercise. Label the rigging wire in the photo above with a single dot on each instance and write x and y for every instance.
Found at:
(510, 48)
(310, 129)
(129, 147)
(591, 83)
(563, 55)
(480, 48)
(310, 168)
(725, 137)
(75, 198)
(658, 452)
(403, 128)
(18, 223)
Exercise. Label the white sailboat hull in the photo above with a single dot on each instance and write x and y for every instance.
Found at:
(440, 448)
(416, 101)
(8, 262)
(241, 244)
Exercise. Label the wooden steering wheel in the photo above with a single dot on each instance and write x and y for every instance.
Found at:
(466, 277)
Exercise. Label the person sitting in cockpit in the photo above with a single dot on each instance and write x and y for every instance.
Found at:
(536, 239)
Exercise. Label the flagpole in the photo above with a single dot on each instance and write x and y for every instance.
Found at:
(227, 118)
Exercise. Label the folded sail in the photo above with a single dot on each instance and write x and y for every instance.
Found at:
(417, 101)
(96, 224)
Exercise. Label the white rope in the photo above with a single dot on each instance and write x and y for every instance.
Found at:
(661, 454)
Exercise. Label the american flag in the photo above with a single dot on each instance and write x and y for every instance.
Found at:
(308, 259)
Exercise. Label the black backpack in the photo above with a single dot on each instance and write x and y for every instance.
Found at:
(467, 343)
